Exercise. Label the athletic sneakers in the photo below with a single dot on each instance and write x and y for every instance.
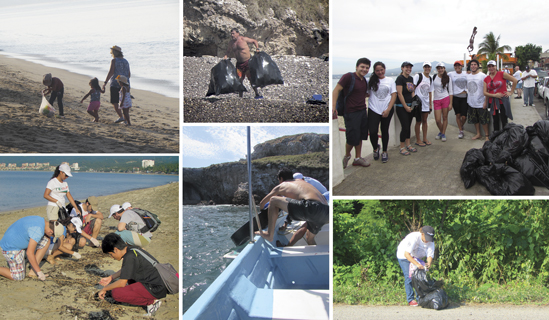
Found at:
(443, 137)
(346, 161)
(439, 135)
(119, 120)
(413, 303)
(384, 157)
(376, 153)
(532, 105)
(152, 308)
(361, 162)
(460, 135)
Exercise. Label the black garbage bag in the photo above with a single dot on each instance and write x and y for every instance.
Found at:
(472, 160)
(513, 139)
(495, 154)
(533, 167)
(429, 292)
(542, 129)
(537, 146)
(437, 300)
(264, 71)
(223, 79)
(502, 180)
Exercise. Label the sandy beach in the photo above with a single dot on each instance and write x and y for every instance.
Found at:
(68, 291)
(155, 118)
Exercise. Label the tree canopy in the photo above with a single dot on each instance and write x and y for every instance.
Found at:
(528, 52)
(491, 46)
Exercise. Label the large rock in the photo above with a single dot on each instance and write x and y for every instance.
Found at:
(291, 145)
(292, 28)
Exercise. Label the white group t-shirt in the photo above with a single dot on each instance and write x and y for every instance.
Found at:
(440, 92)
(459, 80)
(415, 247)
(379, 100)
(518, 76)
(59, 191)
(422, 91)
(530, 82)
(475, 90)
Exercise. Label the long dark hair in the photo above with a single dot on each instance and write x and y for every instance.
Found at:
(373, 84)
(445, 79)
(94, 83)
(56, 173)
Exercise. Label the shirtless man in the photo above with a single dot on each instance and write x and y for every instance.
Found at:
(239, 47)
(301, 200)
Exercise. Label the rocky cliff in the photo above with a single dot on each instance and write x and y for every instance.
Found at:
(221, 182)
(286, 27)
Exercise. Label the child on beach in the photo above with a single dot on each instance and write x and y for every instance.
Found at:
(95, 95)
(67, 242)
(55, 86)
(125, 98)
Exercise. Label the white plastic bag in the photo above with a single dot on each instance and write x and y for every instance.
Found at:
(46, 108)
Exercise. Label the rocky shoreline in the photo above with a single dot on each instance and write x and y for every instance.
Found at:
(303, 78)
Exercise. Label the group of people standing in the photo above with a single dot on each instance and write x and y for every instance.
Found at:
(473, 96)
(68, 228)
(119, 77)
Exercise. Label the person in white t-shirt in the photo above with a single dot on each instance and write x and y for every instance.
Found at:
(459, 101)
(56, 191)
(478, 113)
(442, 99)
(518, 76)
(529, 78)
(415, 245)
(382, 92)
(424, 90)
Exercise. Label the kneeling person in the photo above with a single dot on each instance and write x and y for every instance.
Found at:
(91, 221)
(139, 284)
(130, 226)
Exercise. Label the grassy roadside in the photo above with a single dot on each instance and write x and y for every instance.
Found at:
(533, 292)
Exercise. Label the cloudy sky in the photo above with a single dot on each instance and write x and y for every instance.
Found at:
(207, 145)
(393, 31)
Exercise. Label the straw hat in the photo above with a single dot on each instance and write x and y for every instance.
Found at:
(122, 79)
(116, 48)
(47, 79)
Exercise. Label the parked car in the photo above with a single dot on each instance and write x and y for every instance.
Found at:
(542, 84)
(546, 97)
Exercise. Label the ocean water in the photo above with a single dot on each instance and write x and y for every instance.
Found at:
(77, 36)
(25, 189)
(207, 234)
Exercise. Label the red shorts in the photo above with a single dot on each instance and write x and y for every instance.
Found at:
(134, 294)
(242, 69)
(94, 105)
(89, 227)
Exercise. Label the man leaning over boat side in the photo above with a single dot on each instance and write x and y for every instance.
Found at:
(129, 226)
(301, 200)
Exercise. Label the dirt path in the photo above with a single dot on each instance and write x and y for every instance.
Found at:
(454, 312)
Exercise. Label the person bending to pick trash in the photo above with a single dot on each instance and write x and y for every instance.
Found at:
(139, 282)
(301, 200)
(56, 87)
(415, 245)
(238, 45)
(67, 243)
(129, 226)
(31, 236)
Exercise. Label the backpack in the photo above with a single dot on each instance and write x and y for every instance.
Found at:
(167, 272)
(342, 100)
(421, 78)
(150, 219)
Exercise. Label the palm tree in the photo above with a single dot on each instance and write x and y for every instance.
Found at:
(490, 47)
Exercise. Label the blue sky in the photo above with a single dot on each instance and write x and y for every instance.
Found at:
(207, 145)
(427, 30)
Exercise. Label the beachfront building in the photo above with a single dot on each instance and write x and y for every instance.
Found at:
(147, 163)
(75, 166)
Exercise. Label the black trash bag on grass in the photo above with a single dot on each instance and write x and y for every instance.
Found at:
(223, 79)
(503, 180)
(264, 71)
(472, 160)
(429, 292)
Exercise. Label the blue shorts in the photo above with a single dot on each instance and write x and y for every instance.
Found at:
(519, 85)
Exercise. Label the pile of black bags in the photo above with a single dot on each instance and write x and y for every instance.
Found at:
(223, 79)
(429, 292)
(512, 162)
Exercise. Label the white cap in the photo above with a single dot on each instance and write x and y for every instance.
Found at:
(427, 63)
(298, 175)
(441, 64)
(114, 209)
(58, 230)
(66, 169)
(491, 62)
(126, 205)
(77, 223)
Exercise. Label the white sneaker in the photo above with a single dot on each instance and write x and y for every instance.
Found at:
(152, 308)
(533, 105)
(460, 135)
(119, 120)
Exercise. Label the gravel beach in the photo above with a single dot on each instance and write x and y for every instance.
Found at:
(303, 77)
